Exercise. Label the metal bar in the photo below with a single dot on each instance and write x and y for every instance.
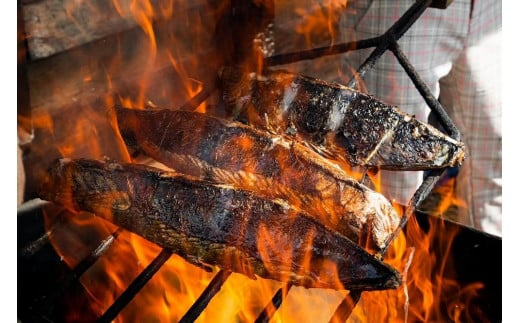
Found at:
(197, 100)
(273, 305)
(391, 35)
(31, 206)
(346, 307)
(424, 190)
(209, 292)
(86, 263)
(80, 269)
(321, 51)
(165, 254)
(389, 42)
(441, 4)
(409, 18)
(32, 247)
(136, 286)
(396, 31)
(425, 92)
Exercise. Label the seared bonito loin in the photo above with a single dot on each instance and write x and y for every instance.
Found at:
(368, 131)
(217, 225)
(275, 166)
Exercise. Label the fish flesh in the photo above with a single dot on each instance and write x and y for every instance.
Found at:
(274, 166)
(368, 132)
(217, 225)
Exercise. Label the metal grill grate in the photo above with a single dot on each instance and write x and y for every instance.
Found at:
(383, 43)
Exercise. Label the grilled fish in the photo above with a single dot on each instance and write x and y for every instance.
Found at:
(365, 130)
(209, 224)
(230, 152)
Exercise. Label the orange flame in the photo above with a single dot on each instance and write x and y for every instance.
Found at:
(448, 199)
(191, 86)
(318, 20)
(421, 297)
(171, 292)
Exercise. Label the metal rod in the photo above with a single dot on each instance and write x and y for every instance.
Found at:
(273, 305)
(321, 51)
(86, 263)
(209, 292)
(346, 307)
(165, 254)
(197, 100)
(390, 36)
(389, 41)
(344, 310)
(409, 18)
(136, 286)
(31, 206)
(32, 247)
(48, 303)
(423, 89)
(424, 190)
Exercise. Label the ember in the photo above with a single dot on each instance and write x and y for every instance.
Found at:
(303, 233)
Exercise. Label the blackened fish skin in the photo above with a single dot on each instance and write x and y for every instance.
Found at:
(368, 131)
(272, 165)
(210, 224)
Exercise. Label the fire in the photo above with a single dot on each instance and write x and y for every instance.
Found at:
(240, 299)
(178, 284)
(124, 259)
(191, 87)
(318, 20)
(448, 201)
(427, 278)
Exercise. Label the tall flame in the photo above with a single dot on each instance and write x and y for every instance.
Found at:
(424, 293)
(319, 20)
(171, 292)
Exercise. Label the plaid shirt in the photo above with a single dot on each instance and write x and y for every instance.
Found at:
(456, 52)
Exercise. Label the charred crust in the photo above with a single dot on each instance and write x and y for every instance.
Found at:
(204, 223)
(364, 126)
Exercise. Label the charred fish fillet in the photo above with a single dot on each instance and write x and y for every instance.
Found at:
(221, 151)
(210, 224)
(368, 131)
